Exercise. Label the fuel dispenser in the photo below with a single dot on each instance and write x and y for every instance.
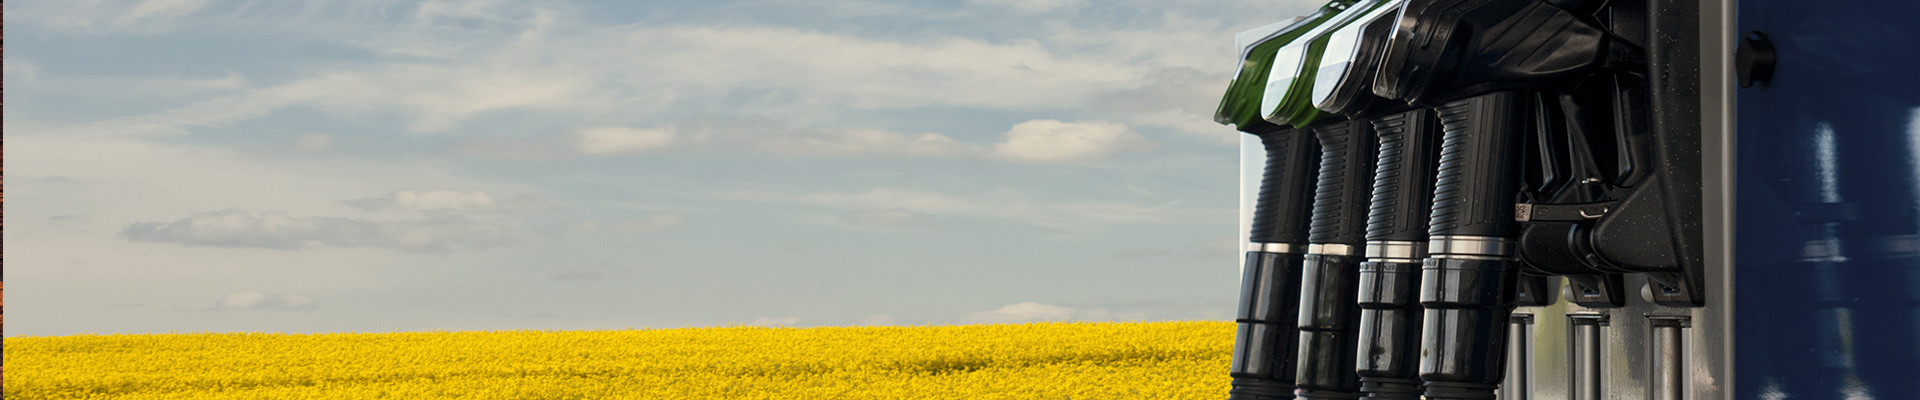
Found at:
(1582, 199)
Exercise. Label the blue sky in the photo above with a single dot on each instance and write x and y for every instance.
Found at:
(373, 166)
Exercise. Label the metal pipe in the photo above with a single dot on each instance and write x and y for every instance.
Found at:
(1584, 353)
(1519, 382)
(1668, 361)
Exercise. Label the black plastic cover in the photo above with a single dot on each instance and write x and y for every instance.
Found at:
(1449, 49)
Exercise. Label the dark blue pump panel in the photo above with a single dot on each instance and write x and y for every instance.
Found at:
(1827, 264)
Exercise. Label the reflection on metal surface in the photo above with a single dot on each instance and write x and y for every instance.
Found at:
(1470, 245)
(1330, 249)
(1585, 356)
(1287, 248)
(1667, 368)
(1518, 384)
(1396, 249)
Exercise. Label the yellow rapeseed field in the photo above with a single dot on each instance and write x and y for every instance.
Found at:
(1156, 360)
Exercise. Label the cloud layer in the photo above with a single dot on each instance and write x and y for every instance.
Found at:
(1035, 312)
(250, 300)
(239, 228)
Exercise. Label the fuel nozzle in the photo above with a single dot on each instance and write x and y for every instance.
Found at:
(1328, 323)
(1264, 364)
(1321, 88)
(1385, 341)
(1481, 66)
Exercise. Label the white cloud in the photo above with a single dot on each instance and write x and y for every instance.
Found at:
(1047, 140)
(893, 216)
(436, 96)
(653, 223)
(768, 321)
(621, 140)
(161, 9)
(449, 201)
(1181, 99)
(627, 141)
(1019, 313)
(437, 200)
(639, 69)
(1101, 314)
(430, 200)
(250, 300)
(1031, 6)
(313, 142)
(877, 320)
(864, 72)
(840, 142)
(239, 228)
(1207, 249)
(1002, 203)
(588, 274)
(1036, 312)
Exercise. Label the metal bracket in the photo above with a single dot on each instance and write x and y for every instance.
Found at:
(1529, 212)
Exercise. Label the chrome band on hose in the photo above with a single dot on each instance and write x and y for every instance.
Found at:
(1330, 249)
(1288, 248)
(1470, 246)
(1470, 257)
(1395, 250)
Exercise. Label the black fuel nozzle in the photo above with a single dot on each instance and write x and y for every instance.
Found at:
(1329, 309)
(1264, 347)
(1264, 365)
(1482, 66)
(1360, 329)
(1328, 322)
(1390, 317)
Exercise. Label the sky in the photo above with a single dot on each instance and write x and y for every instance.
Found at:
(380, 166)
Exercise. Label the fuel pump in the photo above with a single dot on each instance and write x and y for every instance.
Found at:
(1554, 202)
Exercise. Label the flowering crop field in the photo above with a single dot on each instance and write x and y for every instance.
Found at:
(1153, 360)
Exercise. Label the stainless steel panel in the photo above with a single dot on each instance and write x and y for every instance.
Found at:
(1708, 342)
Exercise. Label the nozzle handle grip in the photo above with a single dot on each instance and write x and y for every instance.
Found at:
(1403, 180)
(1280, 211)
(1347, 155)
(1479, 165)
